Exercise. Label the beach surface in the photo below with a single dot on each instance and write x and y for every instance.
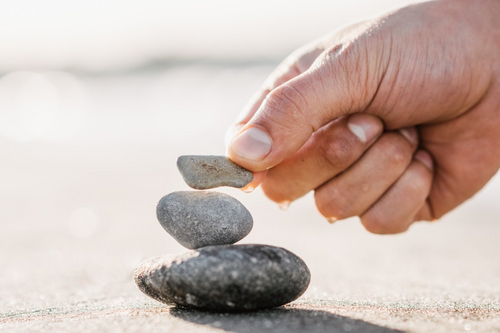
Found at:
(78, 213)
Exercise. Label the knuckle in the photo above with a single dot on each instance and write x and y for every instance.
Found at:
(333, 51)
(337, 154)
(399, 152)
(420, 188)
(350, 65)
(288, 101)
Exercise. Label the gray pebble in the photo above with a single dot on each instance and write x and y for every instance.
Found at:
(225, 278)
(201, 218)
(205, 172)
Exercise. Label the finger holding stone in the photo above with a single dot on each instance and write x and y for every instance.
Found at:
(352, 192)
(258, 178)
(295, 64)
(405, 202)
(330, 151)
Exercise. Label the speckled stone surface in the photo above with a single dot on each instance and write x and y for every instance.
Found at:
(225, 278)
(201, 218)
(204, 172)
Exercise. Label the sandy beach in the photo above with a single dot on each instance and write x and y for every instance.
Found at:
(78, 214)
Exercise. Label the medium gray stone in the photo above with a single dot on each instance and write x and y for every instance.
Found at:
(225, 278)
(201, 218)
(204, 172)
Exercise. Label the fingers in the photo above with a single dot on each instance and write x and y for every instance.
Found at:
(405, 202)
(294, 65)
(331, 150)
(333, 86)
(354, 191)
(258, 177)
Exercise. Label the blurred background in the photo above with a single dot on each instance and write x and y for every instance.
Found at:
(99, 98)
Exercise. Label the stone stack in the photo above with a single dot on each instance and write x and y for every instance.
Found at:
(217, 275)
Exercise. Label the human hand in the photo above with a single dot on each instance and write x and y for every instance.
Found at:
(434, 65)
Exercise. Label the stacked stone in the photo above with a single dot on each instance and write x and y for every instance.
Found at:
(217, 275)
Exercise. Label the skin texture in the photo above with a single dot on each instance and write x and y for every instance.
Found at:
(431, 68)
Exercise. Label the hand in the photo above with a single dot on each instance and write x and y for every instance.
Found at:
(434, 65)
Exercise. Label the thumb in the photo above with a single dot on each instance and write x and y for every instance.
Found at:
(335, 85)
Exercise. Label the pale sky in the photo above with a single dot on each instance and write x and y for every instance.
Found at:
(42, 42)
(100, 35)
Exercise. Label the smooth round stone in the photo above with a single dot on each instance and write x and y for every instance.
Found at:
(225, 278)
(201, 218)
(203, 172)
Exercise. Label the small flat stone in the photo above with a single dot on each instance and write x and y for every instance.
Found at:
(201, 218)
(204, 172)
(225, 278)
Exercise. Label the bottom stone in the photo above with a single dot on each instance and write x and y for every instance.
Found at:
(225, 277)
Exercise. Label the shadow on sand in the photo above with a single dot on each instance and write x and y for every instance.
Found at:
(280, 320)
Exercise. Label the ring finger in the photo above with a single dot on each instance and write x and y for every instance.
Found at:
(355, 190)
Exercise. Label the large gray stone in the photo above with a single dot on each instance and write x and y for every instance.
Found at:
(225, 278)
(201, 218)
(204, 172)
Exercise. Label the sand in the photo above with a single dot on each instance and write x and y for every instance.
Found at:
(78, 214)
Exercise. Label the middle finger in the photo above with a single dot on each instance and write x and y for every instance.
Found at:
(331, 150)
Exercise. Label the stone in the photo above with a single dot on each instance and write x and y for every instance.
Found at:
(225, 278)
(201, 218)
(204, 172)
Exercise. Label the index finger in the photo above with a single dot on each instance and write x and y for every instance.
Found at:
(333, 86)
